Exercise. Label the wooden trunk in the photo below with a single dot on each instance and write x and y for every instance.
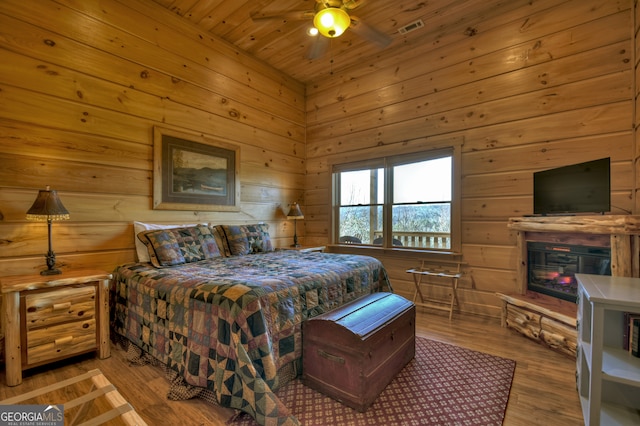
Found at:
(353, 352)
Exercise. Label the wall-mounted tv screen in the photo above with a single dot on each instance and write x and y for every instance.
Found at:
(578, 188)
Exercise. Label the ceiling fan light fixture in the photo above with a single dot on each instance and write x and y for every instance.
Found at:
(332, 21)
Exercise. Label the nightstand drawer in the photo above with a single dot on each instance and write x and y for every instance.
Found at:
(59, 306)
(59, 323)
(61, 340)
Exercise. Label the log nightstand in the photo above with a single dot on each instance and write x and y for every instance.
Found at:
(49, 318)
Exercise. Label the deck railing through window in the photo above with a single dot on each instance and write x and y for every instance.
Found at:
(420, 239)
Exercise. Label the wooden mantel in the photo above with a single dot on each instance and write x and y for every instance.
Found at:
(624, 232)
(548, 320)
(591, 224)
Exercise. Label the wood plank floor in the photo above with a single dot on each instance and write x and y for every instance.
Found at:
(543, 390)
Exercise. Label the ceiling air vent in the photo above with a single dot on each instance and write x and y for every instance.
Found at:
(411, 27)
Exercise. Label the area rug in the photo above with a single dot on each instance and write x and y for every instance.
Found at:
(442, 385)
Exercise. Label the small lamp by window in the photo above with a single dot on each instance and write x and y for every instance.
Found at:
(48, 207)
(295, 213)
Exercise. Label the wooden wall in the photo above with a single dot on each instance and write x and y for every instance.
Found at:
(636, 89)
(83, 83)
(527, 86)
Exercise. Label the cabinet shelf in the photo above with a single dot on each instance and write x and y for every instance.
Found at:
(618, 365)
(607, 376)
(613, 414)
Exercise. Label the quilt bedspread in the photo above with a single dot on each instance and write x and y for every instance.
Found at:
(230, 324)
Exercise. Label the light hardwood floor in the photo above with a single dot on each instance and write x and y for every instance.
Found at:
(543, 390)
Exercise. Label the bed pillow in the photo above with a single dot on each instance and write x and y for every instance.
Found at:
(244, 239)
(176, 246)
(138, 227)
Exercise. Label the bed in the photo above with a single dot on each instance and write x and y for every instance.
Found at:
(221, 308)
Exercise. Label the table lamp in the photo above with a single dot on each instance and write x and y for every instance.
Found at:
(295, 213)
(48, 207)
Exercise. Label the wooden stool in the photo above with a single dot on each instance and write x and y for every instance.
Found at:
(449, 270)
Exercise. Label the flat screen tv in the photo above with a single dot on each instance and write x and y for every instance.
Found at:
(578, 188)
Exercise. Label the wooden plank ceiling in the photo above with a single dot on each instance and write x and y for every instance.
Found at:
(283, 42)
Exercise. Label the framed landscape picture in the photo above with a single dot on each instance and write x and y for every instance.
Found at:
(194, 172)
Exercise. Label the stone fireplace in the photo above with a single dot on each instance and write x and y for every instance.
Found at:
(603, 244)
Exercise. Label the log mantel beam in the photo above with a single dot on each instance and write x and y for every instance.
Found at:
(591, 224)
(623, 231)
(624, 237)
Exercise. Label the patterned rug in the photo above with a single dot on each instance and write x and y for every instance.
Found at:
(442, 385)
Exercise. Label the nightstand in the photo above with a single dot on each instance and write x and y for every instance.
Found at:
(304, 249)
(49, 318)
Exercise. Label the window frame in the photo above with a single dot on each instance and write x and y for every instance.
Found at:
(387, 163)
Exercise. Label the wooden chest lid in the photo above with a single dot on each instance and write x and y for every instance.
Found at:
(363, 316)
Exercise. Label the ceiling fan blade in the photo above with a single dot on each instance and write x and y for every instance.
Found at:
(299, 15)
(352, 4)
(318, 47)
(369, 33)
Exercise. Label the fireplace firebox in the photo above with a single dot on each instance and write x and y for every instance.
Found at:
(552, 267)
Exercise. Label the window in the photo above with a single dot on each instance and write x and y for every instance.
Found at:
(407, 201)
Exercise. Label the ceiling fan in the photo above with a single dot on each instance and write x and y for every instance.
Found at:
(331, 18)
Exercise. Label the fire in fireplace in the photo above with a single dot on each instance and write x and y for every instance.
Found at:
(552, 267)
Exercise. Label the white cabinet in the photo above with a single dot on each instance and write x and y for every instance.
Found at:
(608, 377)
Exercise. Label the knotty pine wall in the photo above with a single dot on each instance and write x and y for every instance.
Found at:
(531, 85)
(83, 83)
(636, 89)
(526, 87)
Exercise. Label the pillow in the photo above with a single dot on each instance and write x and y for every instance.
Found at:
(244, 239)
(138, 227)
(176, 246)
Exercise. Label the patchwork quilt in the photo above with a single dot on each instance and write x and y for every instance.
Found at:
(230, 324)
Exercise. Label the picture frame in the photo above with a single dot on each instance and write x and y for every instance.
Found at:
(193, 171)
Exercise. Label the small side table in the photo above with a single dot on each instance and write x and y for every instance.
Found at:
(304, 249)
(49, 318)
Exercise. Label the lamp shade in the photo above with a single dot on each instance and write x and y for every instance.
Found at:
(295, 212)
(47, 207)
(332, 21)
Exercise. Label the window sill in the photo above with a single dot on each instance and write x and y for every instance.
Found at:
(399, 252)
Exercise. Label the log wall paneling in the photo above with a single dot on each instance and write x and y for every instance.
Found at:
(533, 87)
(82, 86)
(636, 145)
(521, 86)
